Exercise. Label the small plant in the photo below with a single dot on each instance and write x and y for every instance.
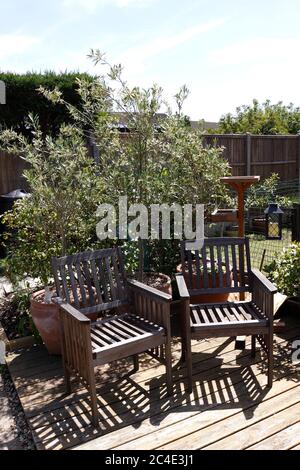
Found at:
(15, 314)
(284, 271)
(260, 195)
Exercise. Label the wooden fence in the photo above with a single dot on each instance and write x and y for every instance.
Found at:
(260, 154)
(247, 155)
(11, 173)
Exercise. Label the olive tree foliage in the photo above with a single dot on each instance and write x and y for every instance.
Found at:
(59, 215)
(161, 158)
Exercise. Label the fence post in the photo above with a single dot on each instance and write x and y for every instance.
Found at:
(248, 153)
(296, 223)
(299, 162)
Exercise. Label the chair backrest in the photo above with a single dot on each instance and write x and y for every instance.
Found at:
(92, 281)
(221, 266)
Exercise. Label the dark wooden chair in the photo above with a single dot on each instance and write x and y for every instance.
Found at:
(92, 284)
(223, 266)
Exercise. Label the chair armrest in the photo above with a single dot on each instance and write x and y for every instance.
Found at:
(150, 292)
(151, 304)
(262, 282)
(67, 308)
(263, 292)
(182, 288)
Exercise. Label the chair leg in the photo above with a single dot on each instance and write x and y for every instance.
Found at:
(94, 407)
(169, 377)
(253, 345)
(269, 339)
(136, 365)
(67, 380)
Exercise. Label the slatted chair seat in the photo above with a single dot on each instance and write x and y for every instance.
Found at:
(230, 314)
(118, 332)
(223, 266)
(93, 286)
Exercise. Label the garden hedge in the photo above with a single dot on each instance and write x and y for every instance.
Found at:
(23, 98)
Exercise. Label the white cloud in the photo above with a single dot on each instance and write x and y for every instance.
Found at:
(134, 58)
(92, 5)
(12, 44)
(257, 50)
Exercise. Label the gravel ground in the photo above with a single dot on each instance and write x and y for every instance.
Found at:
(15, 433)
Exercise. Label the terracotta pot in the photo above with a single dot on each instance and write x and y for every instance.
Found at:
(204, 298)
(46, 319)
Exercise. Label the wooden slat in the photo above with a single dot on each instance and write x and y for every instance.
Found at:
(81, 284)
(73, 285)
(96, 281)
(204, 263)
(220, 268)
(212, 266)
(88, 282)
(234, 265)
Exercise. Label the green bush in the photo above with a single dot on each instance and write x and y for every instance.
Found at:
(23, 98)
(262, 119)
(284, 271)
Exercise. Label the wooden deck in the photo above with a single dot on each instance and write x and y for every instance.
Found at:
(230, 407)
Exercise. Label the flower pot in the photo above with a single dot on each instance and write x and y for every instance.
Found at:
(204, 298)
(46, 320)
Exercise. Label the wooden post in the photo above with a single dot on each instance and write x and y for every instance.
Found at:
(296, 223)
(299, 163)
(248, 153)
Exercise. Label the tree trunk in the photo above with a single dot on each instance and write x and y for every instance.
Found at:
(141, 260)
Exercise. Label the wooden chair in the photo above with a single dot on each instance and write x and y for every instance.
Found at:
(223, 266)
(90, 284)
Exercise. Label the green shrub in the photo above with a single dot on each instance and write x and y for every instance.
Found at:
(284, 271)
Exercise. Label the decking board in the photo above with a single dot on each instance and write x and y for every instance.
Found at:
(229, 403)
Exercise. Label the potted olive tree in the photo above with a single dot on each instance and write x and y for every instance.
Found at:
(161, 159)
(57, 219)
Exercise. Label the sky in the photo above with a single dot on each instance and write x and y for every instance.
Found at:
(227, 52)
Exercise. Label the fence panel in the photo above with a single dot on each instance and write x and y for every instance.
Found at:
(260, 154)
(11, 173)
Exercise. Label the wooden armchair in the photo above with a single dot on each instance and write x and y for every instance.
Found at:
(90, 284)
(223, 266)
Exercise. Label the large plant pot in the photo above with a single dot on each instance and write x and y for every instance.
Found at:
(204, 298)
(46, 320)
